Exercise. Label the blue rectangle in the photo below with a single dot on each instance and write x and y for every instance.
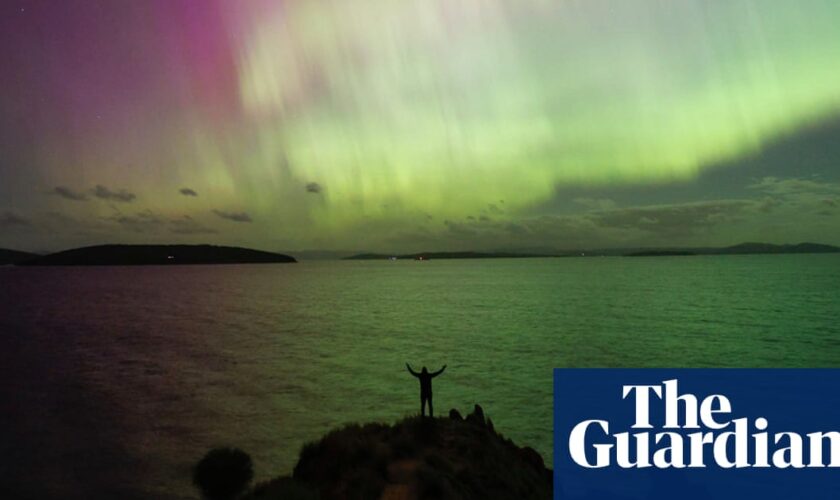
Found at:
(797, 401)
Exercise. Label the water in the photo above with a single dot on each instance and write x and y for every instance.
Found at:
(114, 381)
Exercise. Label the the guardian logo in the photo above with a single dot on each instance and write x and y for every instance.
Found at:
(697, 434)
(708, 423)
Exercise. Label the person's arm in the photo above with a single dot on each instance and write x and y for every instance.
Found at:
(411, 371)
(435, 374)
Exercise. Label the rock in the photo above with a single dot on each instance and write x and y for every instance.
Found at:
(416, 458)
(477, 416)
(531, 456)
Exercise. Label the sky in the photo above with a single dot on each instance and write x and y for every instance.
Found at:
(419, 125)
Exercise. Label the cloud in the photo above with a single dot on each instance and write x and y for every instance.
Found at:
(187, 192)
(148, 221)
(598, 223)
(804, 195)
(314, 187)
(68, 194)
(537, 234)
(794, 186)
(53, 224)
(674, 220)
(233, 216)
(461, 230)
(596, 203)
(140, 222)
(104, 193)
(99, 191)
(680, 224)
(9, 219)
(188, 225)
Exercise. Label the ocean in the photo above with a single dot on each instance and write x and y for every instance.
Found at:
(114, 381)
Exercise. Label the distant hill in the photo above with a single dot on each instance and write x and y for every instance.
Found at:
(661, 253)
(14, 256)
(741, 249)
(445, 255)
(140, 255)
(308, 254)
(757, 248)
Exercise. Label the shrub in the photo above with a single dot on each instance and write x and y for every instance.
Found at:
(223, 473)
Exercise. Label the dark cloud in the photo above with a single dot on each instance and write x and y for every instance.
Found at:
(680, 224)
(54, 223)
(104, 193)
(140, 222)
(557, 231)
(544, 234)
(9, 219)
(68, 194)
(673, 220)
(462, 230)
(150, 222)
(188, 225)
(187, 192)
(233, 216)
(774, 210)
(595, 203)
(811, 154)
(314, 187)
(794, 186)
(803, 195)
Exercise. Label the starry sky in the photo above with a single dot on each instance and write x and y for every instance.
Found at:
(413, 125)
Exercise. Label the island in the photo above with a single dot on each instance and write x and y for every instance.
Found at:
(446, 255)
(768, 248)
(145, 255)
(740, 249)
(660, 253)
(14, 256)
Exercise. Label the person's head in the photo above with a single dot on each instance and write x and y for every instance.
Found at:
(424, 370)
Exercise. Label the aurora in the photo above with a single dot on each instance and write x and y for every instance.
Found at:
(303, 124)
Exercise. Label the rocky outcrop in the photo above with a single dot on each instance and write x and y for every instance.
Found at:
(416, 458)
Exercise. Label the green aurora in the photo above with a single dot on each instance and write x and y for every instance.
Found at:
(385, 124)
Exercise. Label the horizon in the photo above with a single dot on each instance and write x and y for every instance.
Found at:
(315, 254)
(501, 125)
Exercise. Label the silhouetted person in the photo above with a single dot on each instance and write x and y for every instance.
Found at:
(425, 387)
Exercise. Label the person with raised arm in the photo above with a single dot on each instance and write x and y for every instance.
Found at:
(425, 387)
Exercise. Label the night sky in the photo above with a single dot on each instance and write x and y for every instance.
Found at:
(409, 125)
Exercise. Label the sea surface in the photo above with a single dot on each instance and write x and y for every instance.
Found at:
(114, 381)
